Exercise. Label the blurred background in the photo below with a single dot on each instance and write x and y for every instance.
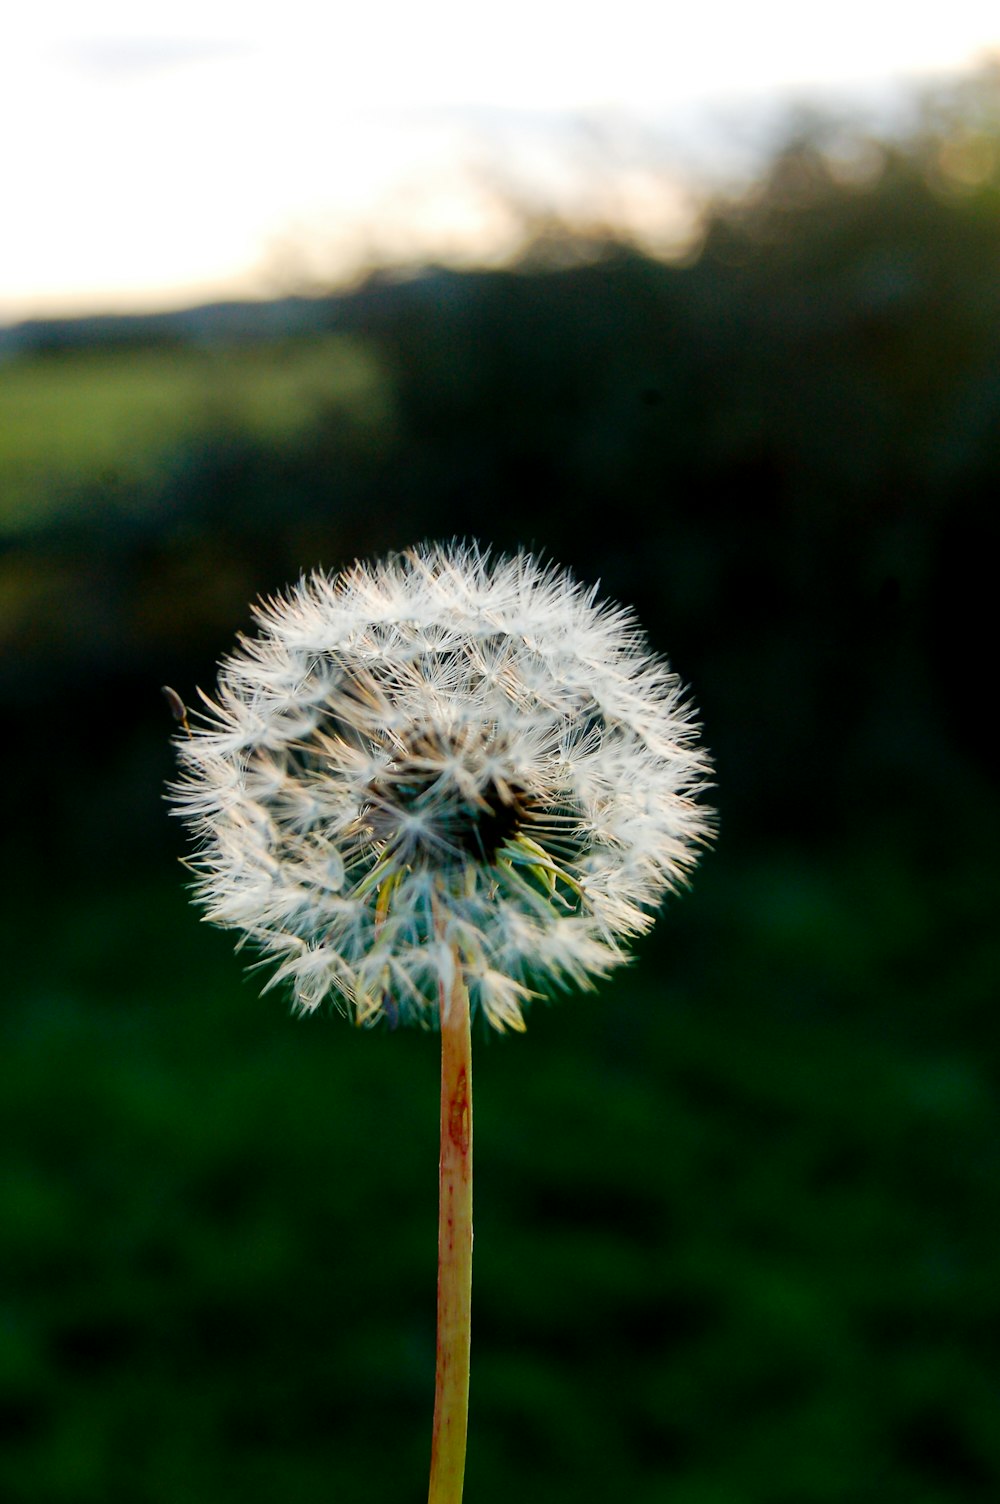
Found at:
(708, 310)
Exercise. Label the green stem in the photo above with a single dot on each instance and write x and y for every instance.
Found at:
(454, 1298)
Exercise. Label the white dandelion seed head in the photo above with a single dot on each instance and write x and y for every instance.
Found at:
(442, 761)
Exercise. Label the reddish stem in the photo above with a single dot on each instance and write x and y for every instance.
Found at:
(454, 1297)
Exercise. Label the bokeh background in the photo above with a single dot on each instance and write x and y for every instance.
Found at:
(737, 1212)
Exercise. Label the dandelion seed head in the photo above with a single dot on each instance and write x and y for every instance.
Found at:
(440, 761)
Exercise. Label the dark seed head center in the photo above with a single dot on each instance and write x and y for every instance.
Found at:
(420, 806)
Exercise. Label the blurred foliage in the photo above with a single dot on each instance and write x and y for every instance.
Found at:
(737, 1214)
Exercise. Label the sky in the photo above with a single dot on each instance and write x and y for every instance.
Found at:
(161, 155)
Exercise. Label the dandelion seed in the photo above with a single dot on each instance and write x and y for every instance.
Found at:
(435, 787)
(175, 705)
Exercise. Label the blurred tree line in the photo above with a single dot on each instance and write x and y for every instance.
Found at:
(785, 453)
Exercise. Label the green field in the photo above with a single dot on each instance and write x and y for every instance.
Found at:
(110, 420)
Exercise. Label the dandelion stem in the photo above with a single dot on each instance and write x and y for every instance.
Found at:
(454, 1298)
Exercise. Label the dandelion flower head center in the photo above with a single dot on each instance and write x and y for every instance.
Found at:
(443, 800)
(442, 763)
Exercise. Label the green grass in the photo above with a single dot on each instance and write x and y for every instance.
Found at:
(735, 1214)
(92, 418)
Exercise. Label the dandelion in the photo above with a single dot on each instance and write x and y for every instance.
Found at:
(439, 787)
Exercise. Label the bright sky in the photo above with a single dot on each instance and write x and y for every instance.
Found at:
(157, 155)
